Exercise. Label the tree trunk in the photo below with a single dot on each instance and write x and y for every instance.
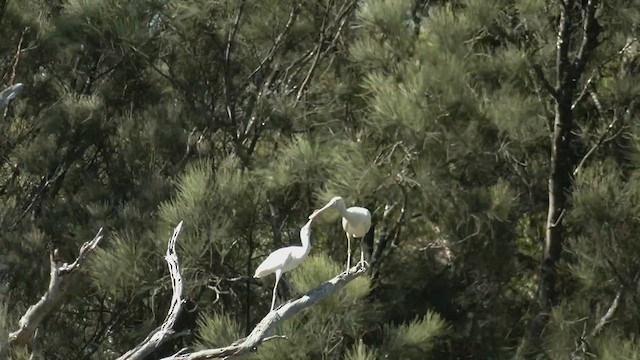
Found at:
(569, 69)
(560, 179)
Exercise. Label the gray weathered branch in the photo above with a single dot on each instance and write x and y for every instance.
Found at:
(582, 348)
(164, 331)
(9, 94)
(262, 332)
(61, 279)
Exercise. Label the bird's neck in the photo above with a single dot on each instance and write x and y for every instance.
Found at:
(306, 245)
(342, 209)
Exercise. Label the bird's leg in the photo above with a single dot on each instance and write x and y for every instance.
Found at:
(273, 300)
(362, 261)
(348, 251)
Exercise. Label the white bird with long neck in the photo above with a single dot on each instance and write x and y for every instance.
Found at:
(285, 259)
(356, 222)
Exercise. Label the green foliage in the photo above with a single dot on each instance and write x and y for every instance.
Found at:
(241, 121)
(217, 330)
(119, 269)
(320, 268)
(415, 339)
(618, 347)
(361, 352)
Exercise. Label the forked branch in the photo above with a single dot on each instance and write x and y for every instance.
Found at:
(61, 279)
(164, 331)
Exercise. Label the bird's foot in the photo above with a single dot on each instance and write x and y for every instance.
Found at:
(363, 263)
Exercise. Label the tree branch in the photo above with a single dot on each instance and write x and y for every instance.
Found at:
(340, 21)
(583, 343)
(603, 137)
(262, 331)
(537, 70)
(562, 50)
(590, 32)
(61, 279)
(227, 89)
(293, 16)
(164, 331)
(608, 315)
(9, 94)
(584, 92)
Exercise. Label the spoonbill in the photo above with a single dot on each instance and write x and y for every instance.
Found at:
(356, 222)
(285, 259)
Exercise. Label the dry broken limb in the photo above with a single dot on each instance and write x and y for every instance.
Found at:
(263, 330)
(59, 283)
(164, 331)
(261, 333)
(9, 94)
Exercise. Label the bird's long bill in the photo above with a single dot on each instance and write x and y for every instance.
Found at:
(319, 211)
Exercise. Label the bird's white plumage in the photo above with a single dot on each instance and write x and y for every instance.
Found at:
(285, 259)
(356, 222)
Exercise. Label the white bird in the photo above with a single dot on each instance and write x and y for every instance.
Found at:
(356, 222)
(285, 259)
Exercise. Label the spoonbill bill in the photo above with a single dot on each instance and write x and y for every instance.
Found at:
(285, 259)
(356, 222)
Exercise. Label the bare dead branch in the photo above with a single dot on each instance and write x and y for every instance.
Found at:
(582, 344)
(61, 279)
(35, 345)
(164, 331)
(11, 76)
(341, 21)
(603, 138)
(9, 94)
(608, 315)
(228, 86)
(306, 80)
(584, 92)
(293, 16)
(593, 149)
(590, 32)
(262, 331)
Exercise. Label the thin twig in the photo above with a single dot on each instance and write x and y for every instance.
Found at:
(293, 16)
(602, 139)
(584, 92)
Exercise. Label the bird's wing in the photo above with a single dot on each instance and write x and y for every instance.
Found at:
(274, 261)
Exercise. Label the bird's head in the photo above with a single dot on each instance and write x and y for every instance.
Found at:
(335, 202)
